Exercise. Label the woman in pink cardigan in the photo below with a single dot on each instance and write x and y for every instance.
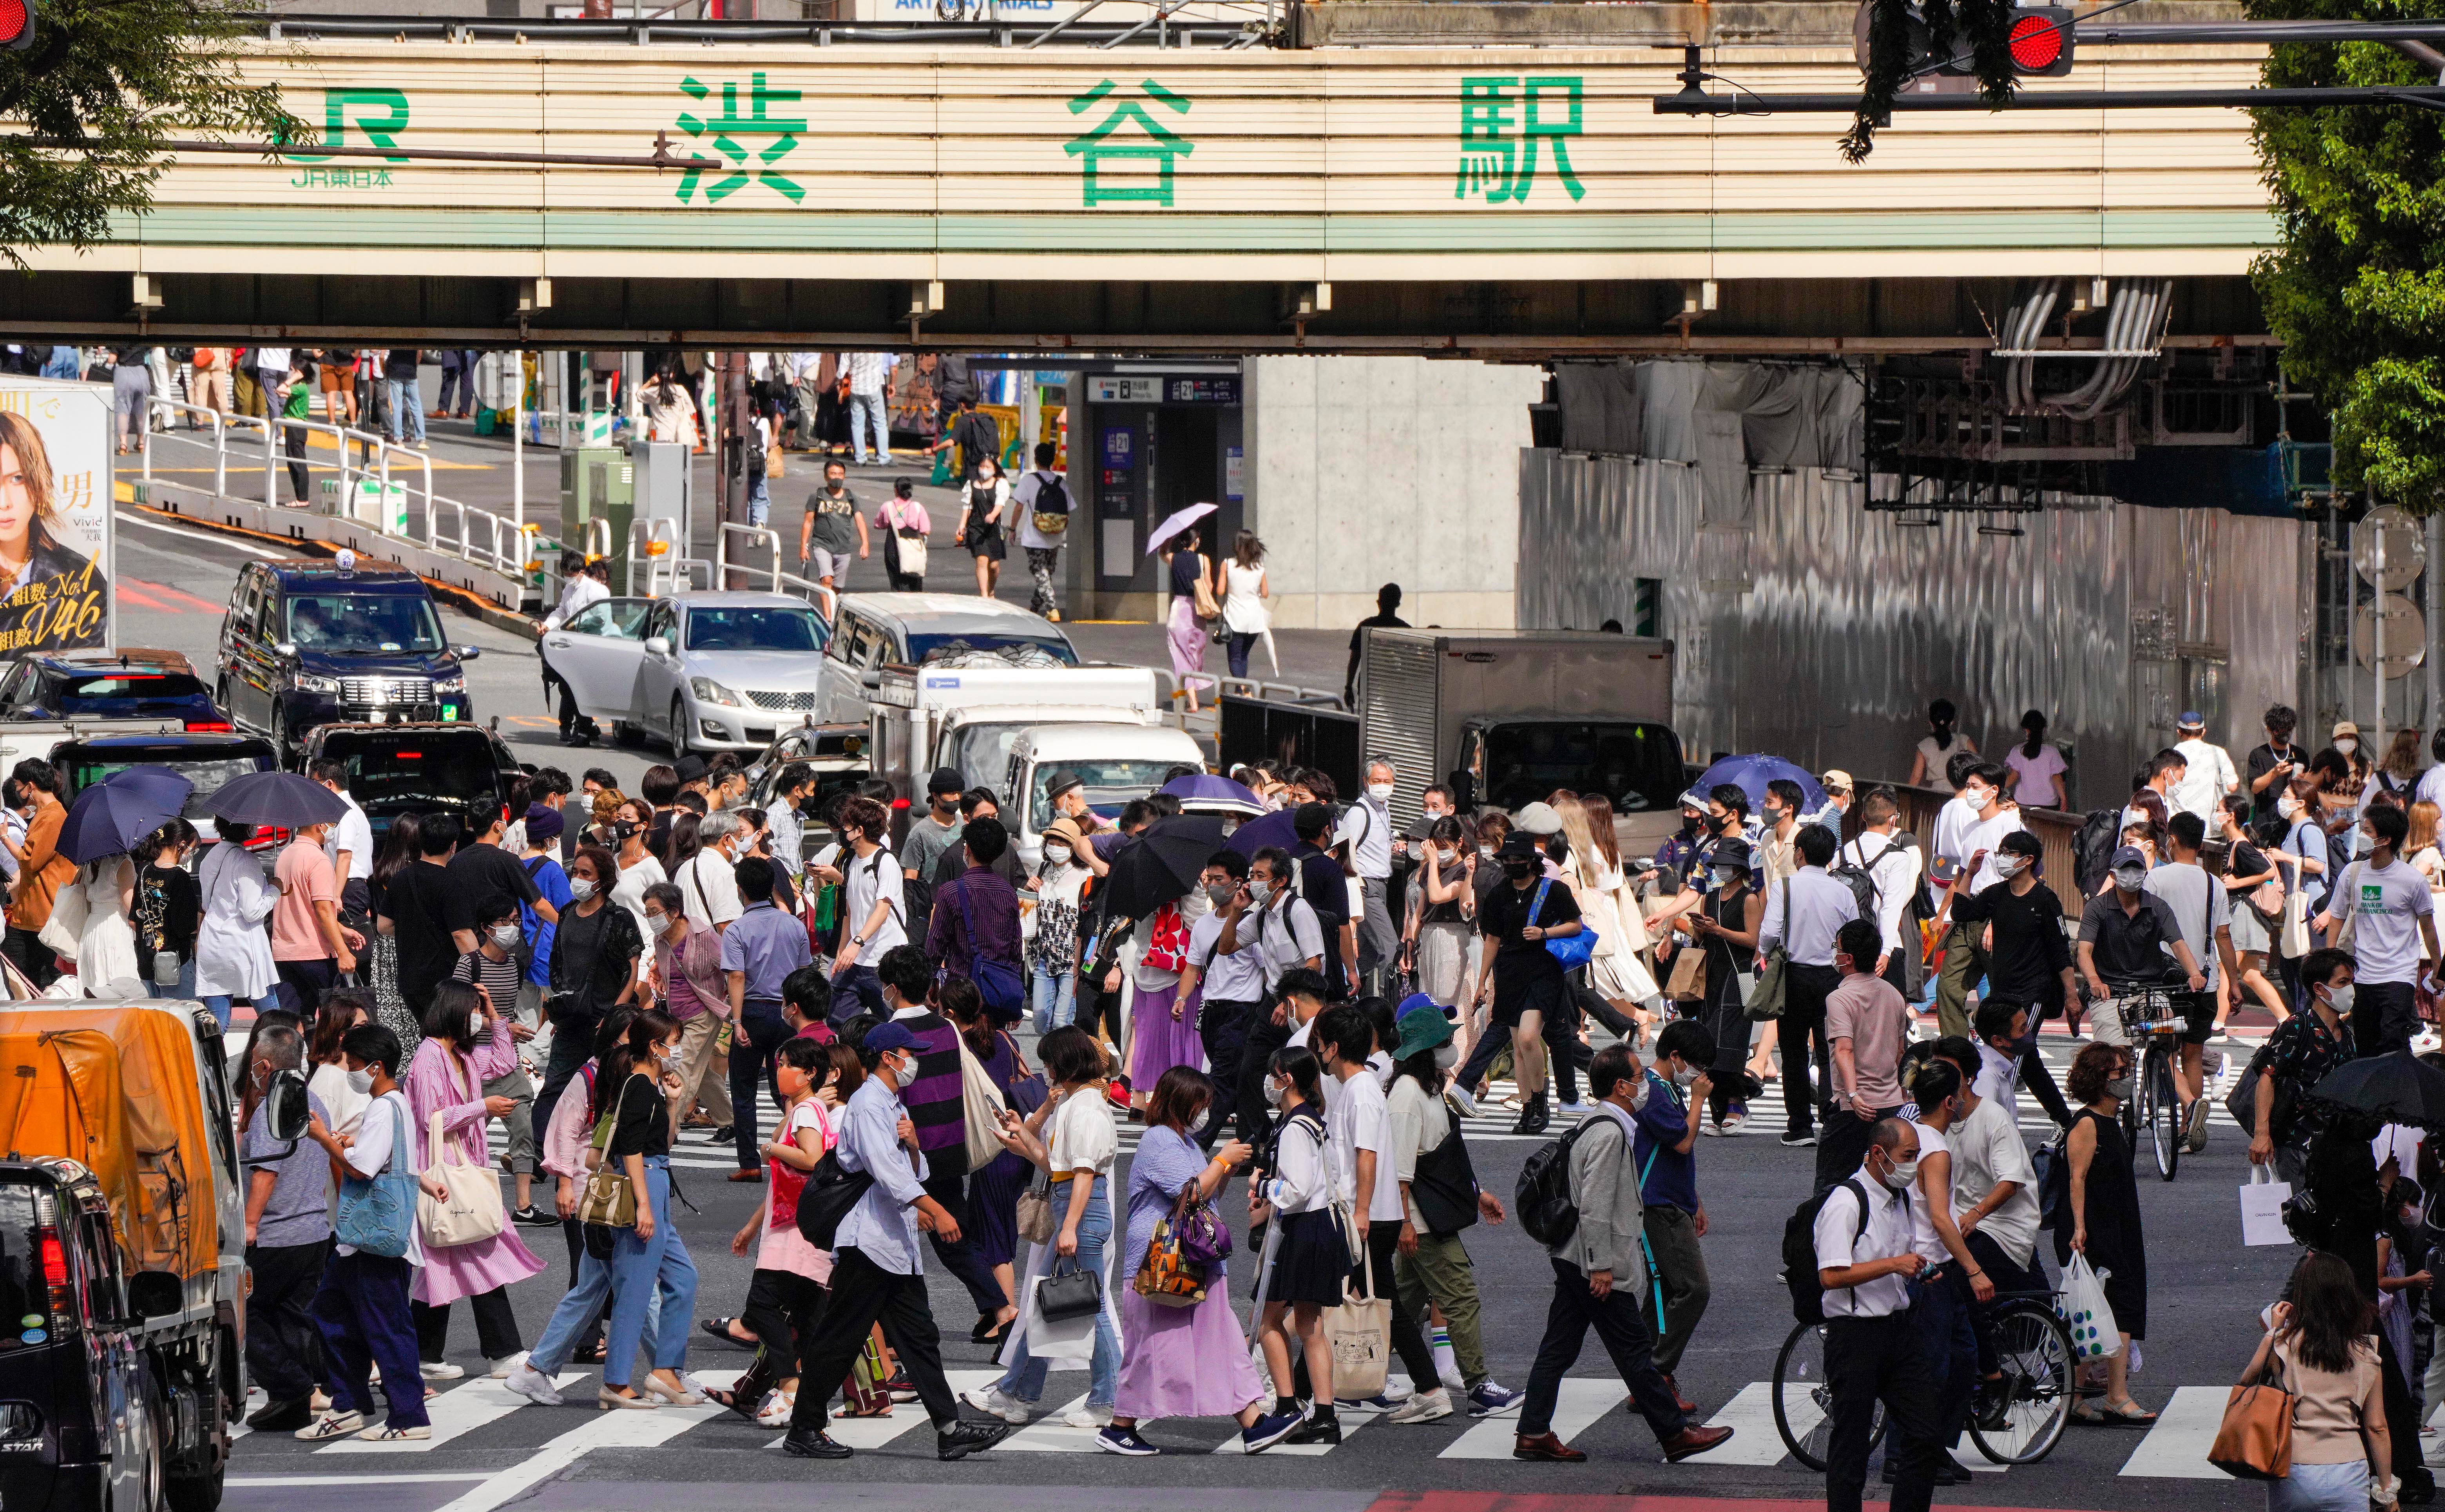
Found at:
(466, 1041)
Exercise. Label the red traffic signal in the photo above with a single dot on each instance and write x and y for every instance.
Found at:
(2040, 40)
(16, 23)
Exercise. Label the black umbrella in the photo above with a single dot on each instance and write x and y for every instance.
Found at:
(1161, 864)
(2394, 1087)
(281, 799)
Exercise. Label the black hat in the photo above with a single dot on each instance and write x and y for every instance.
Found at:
(1063, 780)
(945, 780)
(690, 768)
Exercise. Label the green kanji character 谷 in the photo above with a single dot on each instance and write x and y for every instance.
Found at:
(722, 132)
(1499, 151)
(1096, 144)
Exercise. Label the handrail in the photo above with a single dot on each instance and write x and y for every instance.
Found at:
(653, 548)
(825, 602)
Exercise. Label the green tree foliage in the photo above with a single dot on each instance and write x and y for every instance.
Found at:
(114, 80)
(1980, 28)
(2357, 290)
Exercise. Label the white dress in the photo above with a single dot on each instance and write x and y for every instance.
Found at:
(1243, 612)
(232, 947)
(106, 950)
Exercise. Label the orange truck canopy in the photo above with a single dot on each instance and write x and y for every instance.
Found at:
(115, 1089)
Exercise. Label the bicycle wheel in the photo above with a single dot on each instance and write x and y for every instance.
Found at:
(2034, 1350)
(1803, 1400)
(2164, 1114)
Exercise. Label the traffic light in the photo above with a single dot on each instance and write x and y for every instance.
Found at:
(16, 23)
(2039, 38)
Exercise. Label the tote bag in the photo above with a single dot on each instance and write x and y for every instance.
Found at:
(374, 1211)
(470, 1210)
(1765, 999)
(981, 1109)
(2254, 1441)
(1360, 1332)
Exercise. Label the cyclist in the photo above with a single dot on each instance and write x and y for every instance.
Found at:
(2125, 934)
(2201, 903)
(1994, 1206)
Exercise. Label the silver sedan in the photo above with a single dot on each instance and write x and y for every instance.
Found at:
(704, 671)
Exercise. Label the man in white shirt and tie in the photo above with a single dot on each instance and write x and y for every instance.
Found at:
(1802, 912)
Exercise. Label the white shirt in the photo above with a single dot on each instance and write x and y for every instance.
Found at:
(2208, 778)
(376, 1130)
(1988, 836)
(1888, 1234)
(868, 370)
(232, 947)
(346, 1104)
(1287, 936)
(2388, 906)
(1023, 495)
(1892, 869)
(1819, 905)
(709, 889)
(355, 836)
(1082, 1136)
(1987, 1150)
(875, 877)
(1952, 823)
(1931, 1142)
(2431, 787)
(1419, 1123)
(1237, 976)
(1998, 1081)
(2198, 899)
(1369, 829)
(1360, 1119)
(575, 594)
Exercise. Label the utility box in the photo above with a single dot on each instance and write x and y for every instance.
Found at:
(663, 492)
(597, 501)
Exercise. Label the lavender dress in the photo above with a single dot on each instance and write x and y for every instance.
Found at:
(1157, 1041)
(1176, 1361)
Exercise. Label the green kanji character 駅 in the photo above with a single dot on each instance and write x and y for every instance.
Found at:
(722, 134)
(1504, 121)
(1160, 143)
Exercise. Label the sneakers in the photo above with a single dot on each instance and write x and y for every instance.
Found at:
(968, 1438)
(1490, 1398)
(533, 1217)
(1089, 1417)
(1267, 1431)
(501, 1368)
(1123, 1441)
(1461, 1099)
(2198, 1140)
(1315, 1430)
(816, 1446)
(389, 1433)
(1714, 1128)
(525, 1380)
(441, 1370)
(1424, 1408)
(332, 1424)
(1577, 1110)
(1800, 1140)
(995, 1401)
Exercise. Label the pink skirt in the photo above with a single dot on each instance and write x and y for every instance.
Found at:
(1183, 1361)
(1188, 639)
(1159, 1042)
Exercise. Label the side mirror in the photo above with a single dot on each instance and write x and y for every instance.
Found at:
(284, 648)
(469, 653)
(156, 1293)
(658, 645)
(871, 677)
(286, 1101)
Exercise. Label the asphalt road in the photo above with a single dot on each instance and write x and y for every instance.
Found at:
(2205, 1291)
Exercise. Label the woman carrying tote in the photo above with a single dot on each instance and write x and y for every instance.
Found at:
(2321, 1348)
(1190, 579)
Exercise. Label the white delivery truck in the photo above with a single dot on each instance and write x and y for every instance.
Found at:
(1115, 761)
(966, 715)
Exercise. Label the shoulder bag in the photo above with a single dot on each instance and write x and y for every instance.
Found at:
(832, 1191)
(911, 544)
(1206, 608)
(1167, 1277)
(1571, 951)
(1764, 1000)
(64, 929)
(981, 1109)
(1359, 1331)
(2254, 1441)
(470, 1211)
(998, 983)
(608, 1201)
(374, 1211)
(1032, 1218)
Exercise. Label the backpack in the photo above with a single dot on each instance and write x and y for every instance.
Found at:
(1861, 880)
(1800, 1250)
(1050, 505)
(1543, 1194)
(2092, 854)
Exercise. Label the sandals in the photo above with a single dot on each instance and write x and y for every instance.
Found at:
(719, 1328)
(2131, 1414)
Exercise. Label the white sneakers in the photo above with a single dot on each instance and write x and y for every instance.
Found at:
(501, 1368)
(333, 1424)
(1423, 1408)
(1087, 1417)
(441, 1370)
(525, 1380)
(993, 1399)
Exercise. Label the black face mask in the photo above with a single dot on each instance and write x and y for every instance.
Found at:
(1729, 824)
(1517, 870)
(1689, 825)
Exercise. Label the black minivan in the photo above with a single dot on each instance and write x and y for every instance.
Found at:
(309, 641)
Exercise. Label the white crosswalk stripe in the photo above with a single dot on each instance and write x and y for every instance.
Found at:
(1750, 1416)
(1582, 1401)
(459, 1410)
(2177, 1447)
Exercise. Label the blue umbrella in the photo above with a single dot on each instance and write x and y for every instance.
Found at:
(281, 799)
(1750, 773)
(1204, 792)
(159, 784)
(1275, 829)
(109, 817)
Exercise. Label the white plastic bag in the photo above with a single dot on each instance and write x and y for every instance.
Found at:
(2093, 1333)
(2262, 1208)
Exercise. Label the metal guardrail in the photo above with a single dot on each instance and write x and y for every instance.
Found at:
(824, 601)
(2058, 834)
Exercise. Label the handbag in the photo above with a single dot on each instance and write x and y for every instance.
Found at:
(64, 929)
(1206, 608)
(2254, 1441)
(997, 981)
(608, 1201)
(1765, 999)
(1032, 1217)
(470, 1210)
(1359, 1331)
(981, 1109)
(1687, 982)
(1572, 951)
(374, 1211)
(1070, 1294)
(2243, 1102)
(1169, 1277)
(824, 1202)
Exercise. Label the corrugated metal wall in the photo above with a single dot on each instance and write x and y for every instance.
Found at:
(1820, 630)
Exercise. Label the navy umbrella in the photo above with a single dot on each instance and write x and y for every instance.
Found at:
(1750, 773)
(281, 799)
(1275, 829)
(109, 817)
(161, 784)
(1204, 792)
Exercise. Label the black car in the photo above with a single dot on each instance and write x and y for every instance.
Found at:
(204, 759)
(130, 683)
(308, 643)
(396, 769)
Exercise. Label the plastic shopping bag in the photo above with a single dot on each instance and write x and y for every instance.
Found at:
(2262, 1208)
(2093, 1333)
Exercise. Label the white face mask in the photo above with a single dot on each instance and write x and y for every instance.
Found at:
(656, 924)
(1685, 1077)
(1275, 1091)
(1260, 892)
(1380, 792)
(580, 888)
(2009, 867)
(1057, 855)
(507, 936)
(2129, 878)
(2286, 806)
(2340, 1000)
(1978, 798)
(1904, 1172)
(2347, 745)
(1446, 1057)
(1726, 876)
(1638, 1097)
(907, 1072)
(362, 1082)
(1197, 1125)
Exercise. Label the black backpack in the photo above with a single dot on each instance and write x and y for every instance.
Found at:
(1051, 497)
(2092, 854)
(1543, 1196)
(832, 1191)
(1800, 1250)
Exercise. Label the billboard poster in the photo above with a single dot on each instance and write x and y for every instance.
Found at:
(55, 498)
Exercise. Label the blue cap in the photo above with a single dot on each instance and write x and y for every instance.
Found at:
(889, 1037)
(2191, 720)
(2127, 856)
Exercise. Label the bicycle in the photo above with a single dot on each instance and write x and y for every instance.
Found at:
(2032, 1348)
(2154, 1025)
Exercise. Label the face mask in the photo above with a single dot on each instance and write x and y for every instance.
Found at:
(1688, 824)
(1446, 1057)
(1517, 870)
(1057, 855)
(1978, 798)
(476, 1023)
(508, 935)
(580, 888)
(2347, 745)
(1487, 852)
(622, 829)
(1638, 1095)
(362, 1082)
(1903, 1173)
(1197, 1125)
(2129, 878)
(656, 924)
(2286, 808)
(906, 1074)
(2340, 1000)
(1219, 893)
(1273, 1093)
(1260, 892)
(1380, 792)
(1685, 1077)
(1726, 876)
(2010, 866)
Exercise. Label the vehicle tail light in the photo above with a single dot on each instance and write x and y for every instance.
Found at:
(55, 1272)
(900, 803)
(210, 726)
(409, 756)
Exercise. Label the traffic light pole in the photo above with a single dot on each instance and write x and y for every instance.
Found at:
(1696, 101)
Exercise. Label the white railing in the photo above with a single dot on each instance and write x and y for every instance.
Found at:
(824, 601)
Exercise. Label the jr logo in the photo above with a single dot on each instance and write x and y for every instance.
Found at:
(380, 114)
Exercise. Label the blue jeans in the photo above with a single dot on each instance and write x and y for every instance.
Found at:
(2321, 1489)
(406, 408)
(219, 1002)
(1056, 1000)
(1024, 1380)
(759, 500)
(866, 412)
(644, 1271)
(185, 988)
(574, 1318)
(1235, 651)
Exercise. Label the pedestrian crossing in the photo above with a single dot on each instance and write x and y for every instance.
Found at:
(2174, 1448)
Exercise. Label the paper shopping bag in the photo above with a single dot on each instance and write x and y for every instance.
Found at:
(2262, 1208)
(1689, 980)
